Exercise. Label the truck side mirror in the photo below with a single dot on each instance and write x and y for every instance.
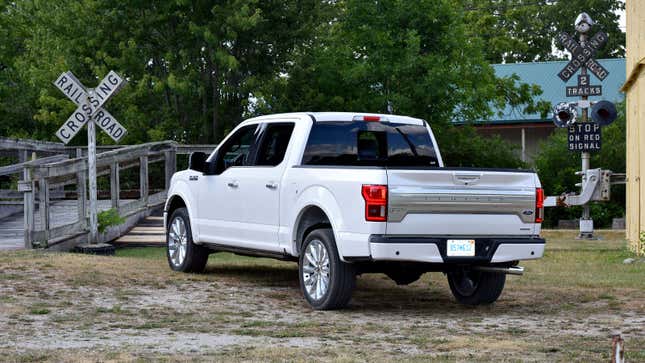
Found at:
(197, 161)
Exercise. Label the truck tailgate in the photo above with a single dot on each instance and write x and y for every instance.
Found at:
(461, 202)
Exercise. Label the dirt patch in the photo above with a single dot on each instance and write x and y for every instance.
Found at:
(65, 307)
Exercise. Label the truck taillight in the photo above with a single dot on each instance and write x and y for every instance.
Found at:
(539, 205)
(375, 202)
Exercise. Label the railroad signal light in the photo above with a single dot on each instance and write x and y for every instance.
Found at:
(603, 112)
(564, 114)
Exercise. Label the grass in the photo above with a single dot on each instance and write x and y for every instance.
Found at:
(39, 311)
(65, 307)
(155, 253)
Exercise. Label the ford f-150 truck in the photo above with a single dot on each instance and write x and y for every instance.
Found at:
(349, 193)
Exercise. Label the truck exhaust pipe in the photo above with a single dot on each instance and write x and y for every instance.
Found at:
(513, 270)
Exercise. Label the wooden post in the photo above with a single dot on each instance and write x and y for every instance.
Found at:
(143, 178)
(43, 206)
(23, 155)
(171, 166)
(81, 192)
(523, 144)
(115, 188)
(28, 208)
(91, 164)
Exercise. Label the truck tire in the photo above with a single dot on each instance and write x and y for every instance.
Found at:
(326, 282)
(476, 287)
(183, 255)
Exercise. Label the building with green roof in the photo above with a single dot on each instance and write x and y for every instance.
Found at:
(528, 130)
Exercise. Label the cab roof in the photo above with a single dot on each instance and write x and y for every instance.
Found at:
(344, 116)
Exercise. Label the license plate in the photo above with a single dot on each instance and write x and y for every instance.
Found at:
(461, 247)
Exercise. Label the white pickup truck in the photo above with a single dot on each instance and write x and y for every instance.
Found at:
(349, 193)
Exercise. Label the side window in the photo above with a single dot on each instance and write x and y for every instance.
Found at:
(274, 144)
(237, 151)
(331, 143)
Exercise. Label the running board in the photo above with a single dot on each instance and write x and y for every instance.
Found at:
(249, 252)
(514, 270)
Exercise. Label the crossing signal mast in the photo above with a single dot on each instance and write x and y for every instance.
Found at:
(585, 135)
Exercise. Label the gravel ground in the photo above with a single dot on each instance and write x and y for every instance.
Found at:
(67, 307)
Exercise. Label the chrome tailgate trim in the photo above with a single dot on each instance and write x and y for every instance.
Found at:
(404, 200)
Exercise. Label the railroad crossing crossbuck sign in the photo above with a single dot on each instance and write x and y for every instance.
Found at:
(90, 104)
(581, 55)
(90, 111)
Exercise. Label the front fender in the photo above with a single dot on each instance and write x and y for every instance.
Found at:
(182, 190)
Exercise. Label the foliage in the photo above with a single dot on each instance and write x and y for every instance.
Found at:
(523, 30)
(109, 218)
(464, 147)
(557, 167)
(413, 58)
(197, 68)
(189, 63)
(639, 248)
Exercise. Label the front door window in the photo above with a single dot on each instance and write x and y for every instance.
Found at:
(238, 149)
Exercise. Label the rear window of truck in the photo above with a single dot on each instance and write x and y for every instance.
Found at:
(363, 143)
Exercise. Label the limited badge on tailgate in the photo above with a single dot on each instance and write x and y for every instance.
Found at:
(460, 248)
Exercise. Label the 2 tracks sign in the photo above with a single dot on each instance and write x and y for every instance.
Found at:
(90, 105)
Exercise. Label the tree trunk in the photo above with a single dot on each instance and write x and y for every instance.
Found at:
(214, 76)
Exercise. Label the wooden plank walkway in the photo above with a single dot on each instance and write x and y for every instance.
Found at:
(12, 230)
(148, 232)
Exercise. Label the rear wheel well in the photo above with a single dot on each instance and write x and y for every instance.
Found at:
(175, 203)
(311, 218)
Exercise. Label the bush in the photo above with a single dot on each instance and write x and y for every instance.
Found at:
(108, 218)
(462, 146)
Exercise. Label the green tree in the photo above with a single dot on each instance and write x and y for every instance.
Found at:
(415, 57)
(16, 106)
(524, 30)
(195, 68)
(190, 64)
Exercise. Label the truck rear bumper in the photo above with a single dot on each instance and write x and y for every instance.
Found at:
(433, 250)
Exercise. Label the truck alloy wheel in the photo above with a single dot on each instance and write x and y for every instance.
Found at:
(315, 271)
(177, 241)
(183, 255)
(326, 281)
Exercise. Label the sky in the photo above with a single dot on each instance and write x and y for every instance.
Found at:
(621, 22)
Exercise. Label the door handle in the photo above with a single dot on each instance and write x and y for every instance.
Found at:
(272, 185)
(232, 184)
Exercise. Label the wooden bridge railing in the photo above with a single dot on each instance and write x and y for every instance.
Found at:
(42, 176)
